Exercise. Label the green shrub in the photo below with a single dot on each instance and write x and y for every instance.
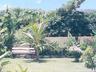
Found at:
(83, 45)
(94, 44)
(2, 50)
(88, 52)
(90, 62)
(89, 57)
(76, 55)
(22, 69)
(71, 40)
(53, 50)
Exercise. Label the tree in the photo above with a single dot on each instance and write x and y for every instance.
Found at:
(10, 30)
(73, 5)
(75, 22)
(69, 20)
(91, 17)
(37, 37)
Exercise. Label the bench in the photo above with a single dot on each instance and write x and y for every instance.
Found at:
(23, 52)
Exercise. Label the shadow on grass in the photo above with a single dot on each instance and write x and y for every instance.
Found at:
(76, 61)
(33, 60)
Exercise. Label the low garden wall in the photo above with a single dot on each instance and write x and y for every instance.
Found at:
(62, 40)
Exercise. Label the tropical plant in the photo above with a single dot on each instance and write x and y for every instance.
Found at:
(52, 50)
(83, 45)
(9, 34)
(71, 40)
(89, 57)
(91, 62)
(36, 34)
(3, 51)
(22, 69)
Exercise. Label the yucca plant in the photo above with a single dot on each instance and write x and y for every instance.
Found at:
(22, 69)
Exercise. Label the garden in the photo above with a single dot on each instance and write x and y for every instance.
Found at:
(35, 40)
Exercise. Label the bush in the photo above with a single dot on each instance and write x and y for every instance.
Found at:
(53, 50)
(89, 57)
(2, 50)
(76, 55)
(83, 45)
(88, 52)
(71, 40)
(91, 62)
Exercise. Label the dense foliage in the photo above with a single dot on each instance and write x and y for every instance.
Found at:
(58, 23)
(78, 23)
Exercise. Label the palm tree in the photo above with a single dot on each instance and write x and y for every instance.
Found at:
(37, 36)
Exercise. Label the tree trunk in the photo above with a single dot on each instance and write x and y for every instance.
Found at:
(37, 54)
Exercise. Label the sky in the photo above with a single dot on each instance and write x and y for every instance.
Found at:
(43, 4)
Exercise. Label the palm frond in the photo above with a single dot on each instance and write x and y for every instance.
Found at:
(29, 35)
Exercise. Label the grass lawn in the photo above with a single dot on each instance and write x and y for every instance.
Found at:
(47, 65)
